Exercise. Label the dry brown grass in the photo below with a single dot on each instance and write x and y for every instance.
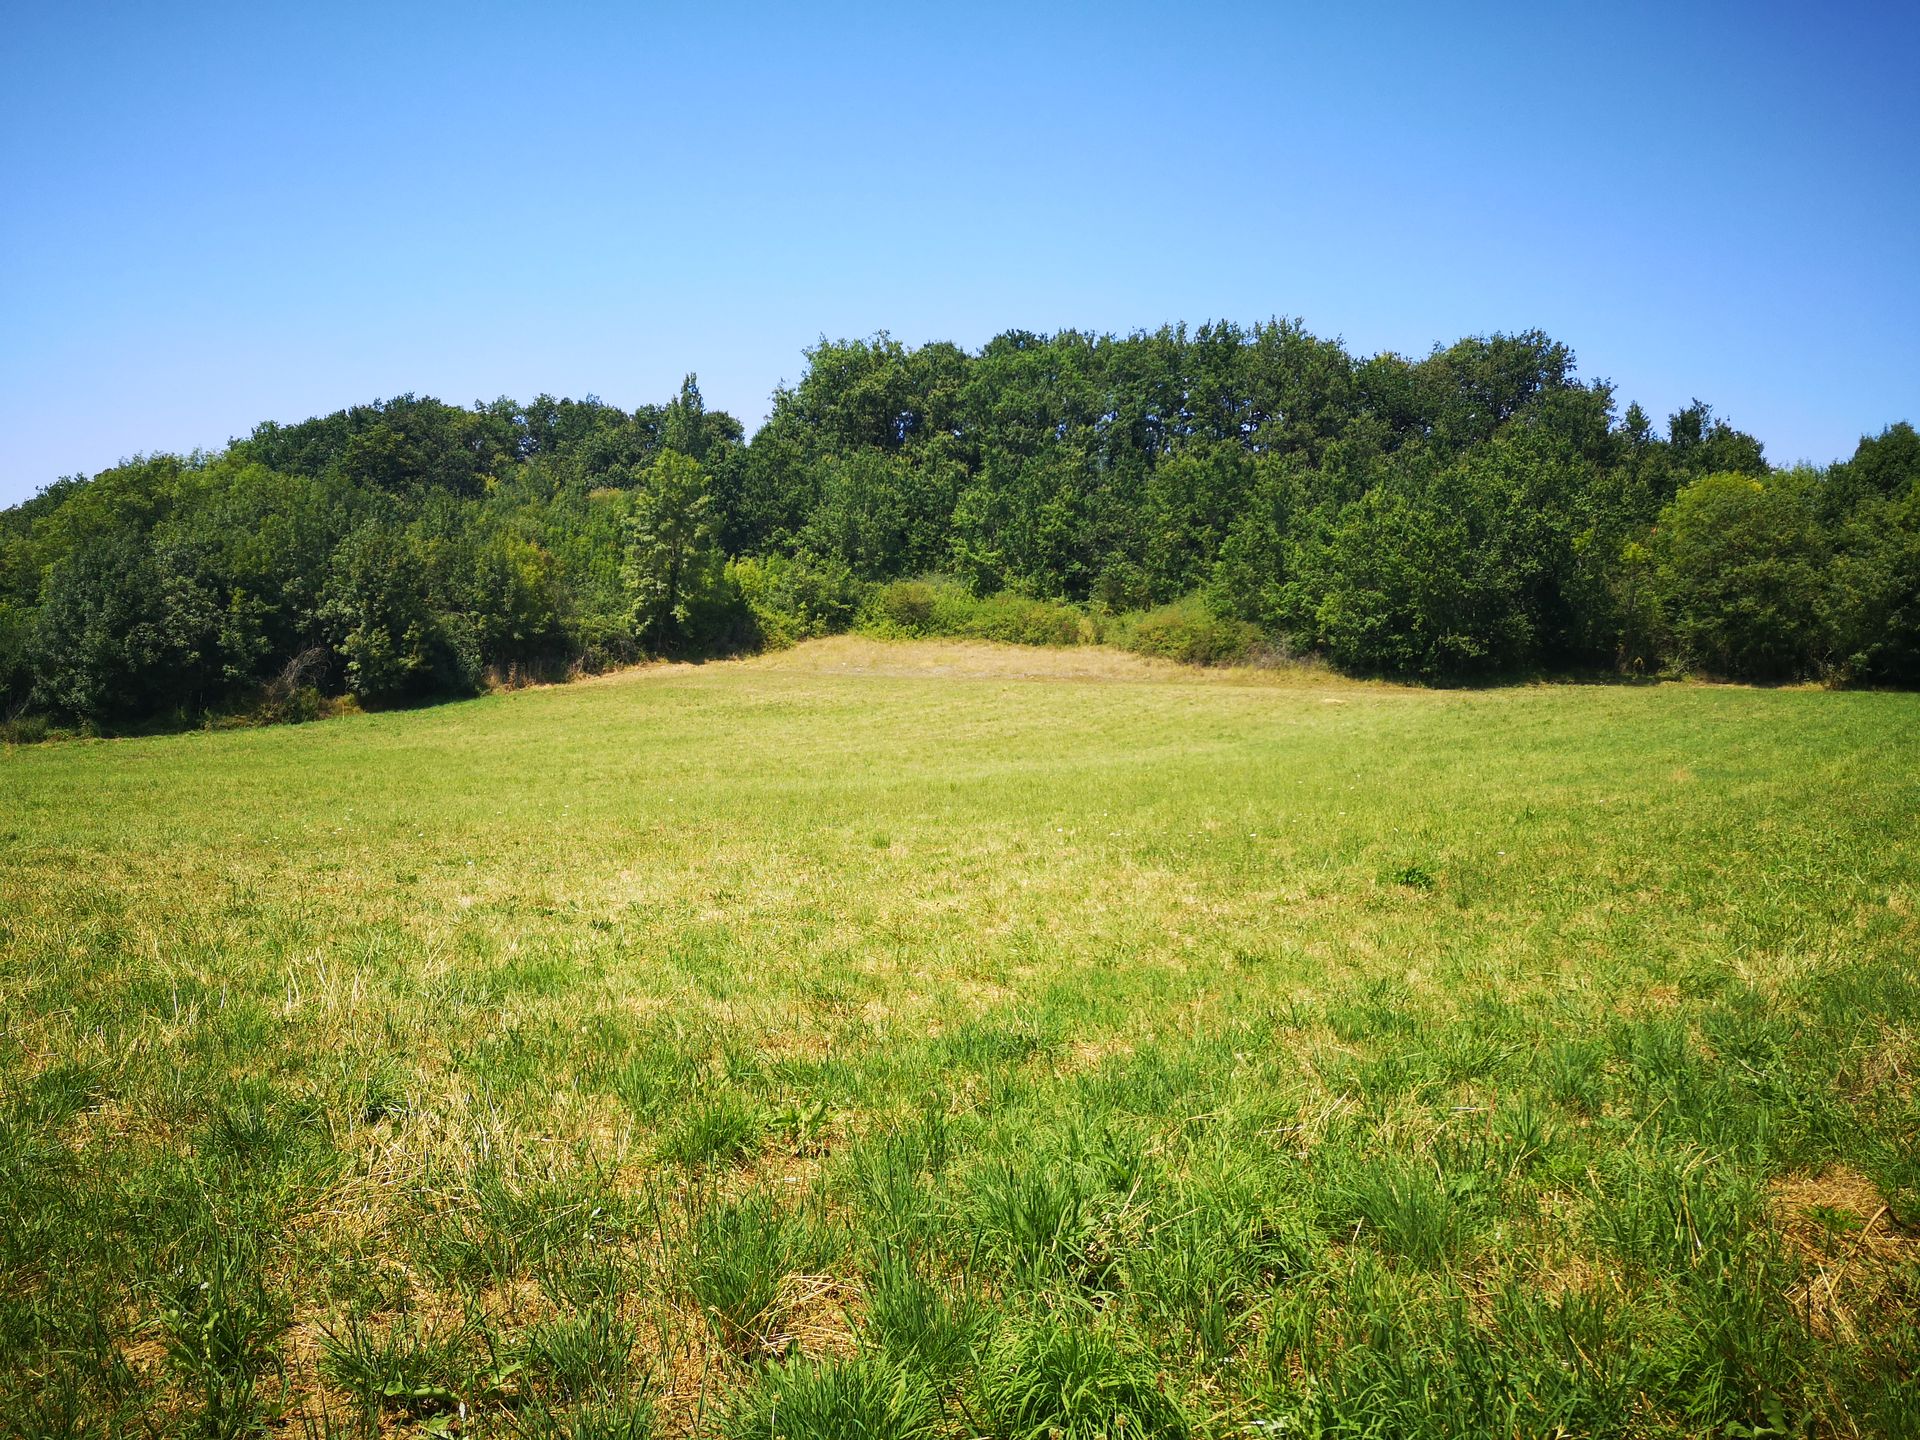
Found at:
(1857, 1254)
(953, 659)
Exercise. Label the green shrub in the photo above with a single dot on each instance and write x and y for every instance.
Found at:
(1188, 632)
(1021, 620)
(16, 667)
(397, 643)
(1739, 576)
(713, 617)
(24, 729)
(293, 696)
(603, 641)
(797, 598)
(1426, 580)
(939, 606)
(1873, 597)
(905, 608)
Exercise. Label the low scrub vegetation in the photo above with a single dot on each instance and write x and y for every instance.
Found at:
(918, 608)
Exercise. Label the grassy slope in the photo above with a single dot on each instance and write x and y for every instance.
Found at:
(1079, 1036)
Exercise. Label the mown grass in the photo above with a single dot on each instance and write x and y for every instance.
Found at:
(937, 1040)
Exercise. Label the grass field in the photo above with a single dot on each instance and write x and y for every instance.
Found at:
(942, 1040)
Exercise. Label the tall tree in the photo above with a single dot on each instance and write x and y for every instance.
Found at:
(672, 560)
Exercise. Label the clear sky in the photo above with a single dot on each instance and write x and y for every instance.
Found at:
(214, 215)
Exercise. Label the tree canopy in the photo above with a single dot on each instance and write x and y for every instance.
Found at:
(1477, 512)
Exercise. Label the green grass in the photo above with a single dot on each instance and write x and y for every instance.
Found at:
(940, 1040)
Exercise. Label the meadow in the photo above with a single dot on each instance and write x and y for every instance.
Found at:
(940, 1040)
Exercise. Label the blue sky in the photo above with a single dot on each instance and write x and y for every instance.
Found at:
(221, 214)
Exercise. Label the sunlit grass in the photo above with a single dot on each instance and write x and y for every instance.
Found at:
(981, 1041)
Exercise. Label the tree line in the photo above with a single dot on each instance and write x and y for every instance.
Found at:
(1476, 513)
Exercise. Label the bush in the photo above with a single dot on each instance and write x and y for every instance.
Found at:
(100, 647)
(397, 644)
(1428, 579)
(904, 609)
(797, 598)
(603, 642)
(1737, 577)
(24, 729)
(1873, 596)
(939, 606)
(1188, 632)
(293, 696)
(16, 669)
(713, 617)
(1021, 620)
(518, 599)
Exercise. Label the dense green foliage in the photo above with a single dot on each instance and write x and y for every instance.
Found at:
(1475, 513)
